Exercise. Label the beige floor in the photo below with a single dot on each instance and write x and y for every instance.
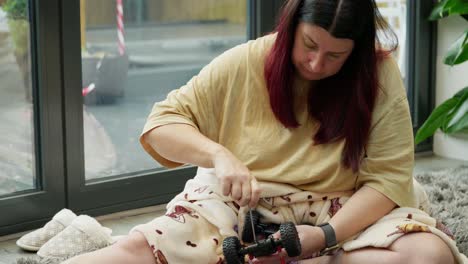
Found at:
(122, 222)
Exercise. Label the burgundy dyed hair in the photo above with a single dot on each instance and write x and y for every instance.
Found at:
(342, 103)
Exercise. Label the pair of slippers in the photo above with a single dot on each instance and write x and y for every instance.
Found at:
(65, 236)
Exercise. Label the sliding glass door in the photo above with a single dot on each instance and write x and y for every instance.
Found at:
(17, 113)
(415, 55)
(133, 53)
(31, 154)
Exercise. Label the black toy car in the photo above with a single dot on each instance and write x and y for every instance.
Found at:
(261, 230)
(234, 252)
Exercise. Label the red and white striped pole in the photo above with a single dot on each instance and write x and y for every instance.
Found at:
(120, 27)
(85, 91)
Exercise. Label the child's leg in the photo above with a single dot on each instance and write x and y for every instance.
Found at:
(132, 249)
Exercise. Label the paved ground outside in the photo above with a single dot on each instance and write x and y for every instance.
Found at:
(161, 58)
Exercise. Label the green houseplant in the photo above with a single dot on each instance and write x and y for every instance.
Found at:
(15, 8)
(18, 23)
(452, 115)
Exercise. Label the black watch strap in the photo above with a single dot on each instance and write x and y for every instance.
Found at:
(330, 237)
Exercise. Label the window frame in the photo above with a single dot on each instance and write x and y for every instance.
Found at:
(422, 54)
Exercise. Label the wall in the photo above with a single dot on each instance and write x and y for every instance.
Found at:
(449, 80)
(102, 12)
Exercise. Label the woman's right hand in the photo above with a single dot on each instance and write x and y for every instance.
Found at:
(235, 178)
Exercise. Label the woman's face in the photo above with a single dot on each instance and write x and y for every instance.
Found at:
(316, 54)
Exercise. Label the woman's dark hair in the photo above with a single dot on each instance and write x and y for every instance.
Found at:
(342, 103)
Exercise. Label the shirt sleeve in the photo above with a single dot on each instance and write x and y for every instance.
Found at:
(389, 158)
(199, 103)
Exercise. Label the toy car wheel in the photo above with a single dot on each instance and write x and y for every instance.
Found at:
(290, 239)
(231, 247)
(247, 232)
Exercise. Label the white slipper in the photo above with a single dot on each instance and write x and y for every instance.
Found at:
(35, 240)
(83, 235)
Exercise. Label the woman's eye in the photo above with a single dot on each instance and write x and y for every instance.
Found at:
(312, 47)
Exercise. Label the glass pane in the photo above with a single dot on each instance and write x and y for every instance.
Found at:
(157, 46)
(395, 12)
(17, 161)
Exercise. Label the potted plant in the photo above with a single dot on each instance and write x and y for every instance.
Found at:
(452, 115)
(18, 23)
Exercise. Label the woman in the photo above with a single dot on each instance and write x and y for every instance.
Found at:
(309, 124)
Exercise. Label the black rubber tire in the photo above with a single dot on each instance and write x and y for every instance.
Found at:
(290, 239)
(247, 232)
(231, 247)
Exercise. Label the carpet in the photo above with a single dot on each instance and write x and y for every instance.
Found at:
(448, 192)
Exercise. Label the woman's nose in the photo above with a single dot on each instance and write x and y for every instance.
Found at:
(316, 64)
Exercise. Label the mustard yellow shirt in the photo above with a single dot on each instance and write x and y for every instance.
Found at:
(228, 102)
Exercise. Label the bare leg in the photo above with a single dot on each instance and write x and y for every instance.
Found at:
(361, 256)
(420, 248)
(416, 248)
(318, 260)
(129, 250)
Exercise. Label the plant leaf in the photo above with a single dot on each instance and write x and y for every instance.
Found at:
(461, 92)
(461, 124)
(458, 52)
(458, 118)
(457, 7)
(438, 10)
(449, 7)
(435, 120)
(460, 95)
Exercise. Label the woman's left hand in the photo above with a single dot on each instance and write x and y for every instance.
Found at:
(312, 241)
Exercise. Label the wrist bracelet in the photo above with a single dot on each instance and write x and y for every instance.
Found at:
(330, 237)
